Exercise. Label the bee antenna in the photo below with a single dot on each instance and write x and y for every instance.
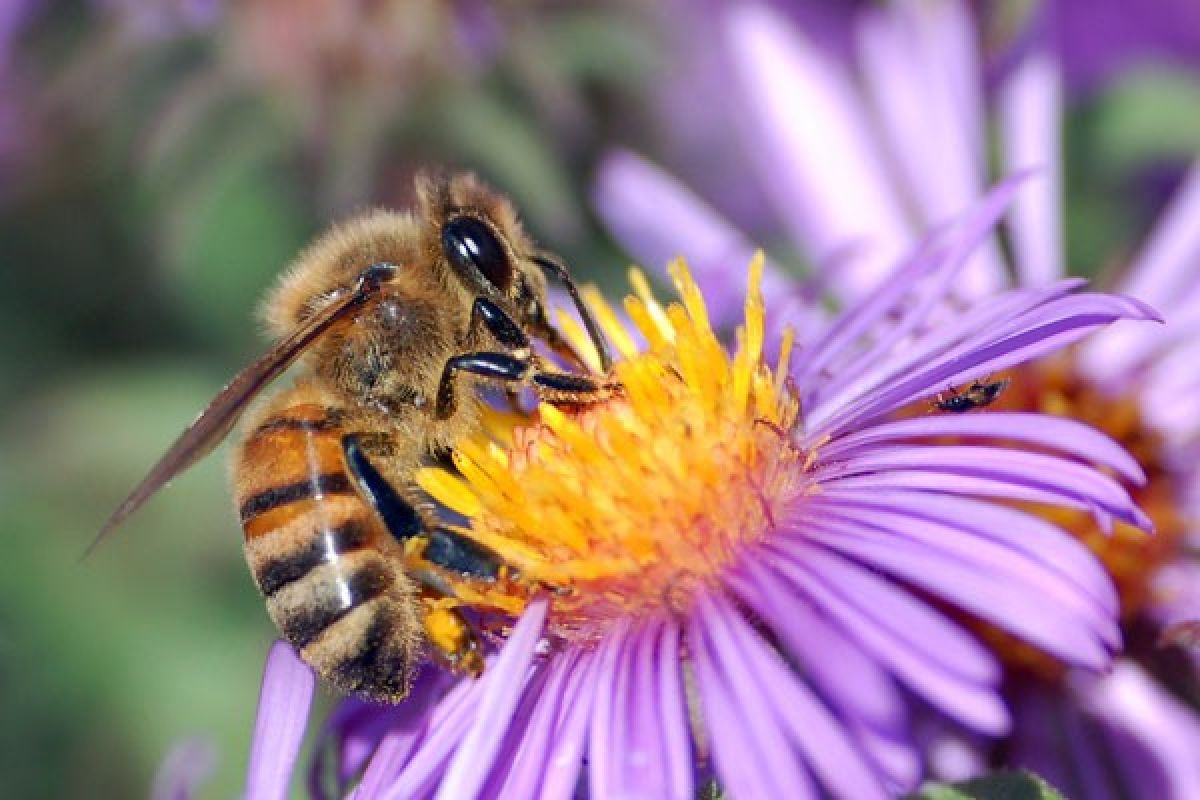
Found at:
(552, 264)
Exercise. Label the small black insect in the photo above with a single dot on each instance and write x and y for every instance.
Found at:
(978, 395)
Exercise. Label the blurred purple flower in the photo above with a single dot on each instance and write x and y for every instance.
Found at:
(772, 634)
(184, 770)
(153, 20)
(1098, 38)
(855, 193)
(15, 17)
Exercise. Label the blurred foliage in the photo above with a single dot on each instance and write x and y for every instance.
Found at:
(159, 163)
(1000, 786)
(158, 185)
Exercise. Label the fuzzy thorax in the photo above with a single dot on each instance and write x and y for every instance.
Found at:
(622, 510)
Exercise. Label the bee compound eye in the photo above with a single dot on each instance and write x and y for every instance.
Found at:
(471, 246)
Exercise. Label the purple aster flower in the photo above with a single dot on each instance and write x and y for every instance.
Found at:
(917, 72)
(744, 564)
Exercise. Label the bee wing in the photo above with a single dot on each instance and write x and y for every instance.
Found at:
(215, 421)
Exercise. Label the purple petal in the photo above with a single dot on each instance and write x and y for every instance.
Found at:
(409, 762)
(603, 745)
(922, 69)
(1133, 707)
(812, 729)
(673, 715)
(184, 770)
(1030, 110)
(942, 482)
(889, 357)
(357, 729)
(630, 722)
(942, 251)
(1166, 267)
(853, 682)
(1071, 560)
(565, 756)
(539, 699)
(1057, 433)
(520, 766)
(1041, 331)
(931, 636)
(820, 166)
(502, 687)
(287, 692)
(1020, 467)
(658, 220)
(752, 756)
(872, 623)
(1004, 587)
(1163, 273)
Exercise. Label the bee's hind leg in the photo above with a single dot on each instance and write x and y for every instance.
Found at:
(453, 640)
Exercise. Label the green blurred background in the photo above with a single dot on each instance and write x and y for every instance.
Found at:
(159, 163)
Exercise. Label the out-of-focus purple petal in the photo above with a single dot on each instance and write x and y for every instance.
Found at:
(752, 755)
(1162, 275)
(658, 220)
(944, 250)
(1176, 590)
(1030, 117)
(1115, 735)
(503, 684)
(185, 768)
(1131, 705)
(1164, 270)
(287, 693)
(818, 162)
(1098, 38)
(922, 69)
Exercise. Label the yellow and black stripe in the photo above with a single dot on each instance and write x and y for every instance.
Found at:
(317, 553)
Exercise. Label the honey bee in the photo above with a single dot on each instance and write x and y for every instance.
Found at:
(396, 319)
(978, 395)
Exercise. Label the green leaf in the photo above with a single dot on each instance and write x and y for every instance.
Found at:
(997, 786)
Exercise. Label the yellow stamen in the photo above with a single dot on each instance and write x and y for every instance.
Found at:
(627, 507)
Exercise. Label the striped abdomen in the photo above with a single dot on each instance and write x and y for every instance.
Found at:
(318, 553)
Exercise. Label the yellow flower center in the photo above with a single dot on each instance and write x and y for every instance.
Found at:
(625, 508)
